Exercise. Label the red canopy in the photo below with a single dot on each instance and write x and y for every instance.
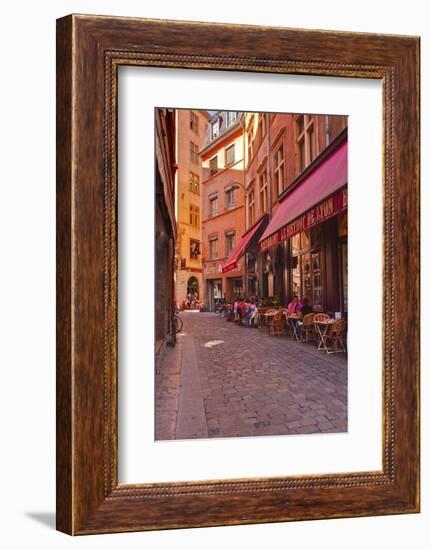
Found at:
(238, 251)
(325, 181)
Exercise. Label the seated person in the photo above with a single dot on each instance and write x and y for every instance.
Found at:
(222, 308)
(294, 307)
(240, 310)
(229, 314)
(251, 313)
(235, 309)
(305, 310)
(245, 308)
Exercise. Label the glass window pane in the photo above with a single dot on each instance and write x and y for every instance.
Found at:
(230, 155)
(300, 124)
(296, 276)
(306, 276)
(311, 141)
(344, 274)
(305, 240)
(316, 236)
(296, 244)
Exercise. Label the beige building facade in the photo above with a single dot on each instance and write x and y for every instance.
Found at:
(191, 127)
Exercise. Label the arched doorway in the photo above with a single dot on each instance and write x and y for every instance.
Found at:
(193, 286)
(193, 292)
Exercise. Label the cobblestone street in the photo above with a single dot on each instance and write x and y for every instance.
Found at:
(224, 380)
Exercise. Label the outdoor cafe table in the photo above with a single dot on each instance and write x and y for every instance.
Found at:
(321, 329)
(292, 320)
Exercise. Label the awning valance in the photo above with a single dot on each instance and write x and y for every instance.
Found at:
(319, 197)
(238, 251)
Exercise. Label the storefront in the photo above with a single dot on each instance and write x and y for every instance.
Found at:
(303, 251)
(318, 266)
(247, 250)
(234, 288)
(214, 292)
(221, 285)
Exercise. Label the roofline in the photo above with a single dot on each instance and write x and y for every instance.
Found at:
(221, 137)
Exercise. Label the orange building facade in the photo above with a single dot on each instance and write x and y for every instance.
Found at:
(223, 214)
(191, 127)
(283, 151)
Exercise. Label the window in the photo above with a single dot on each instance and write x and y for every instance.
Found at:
(213, 166)
(296, 276)
(317, 279)
(305, 140)
(194, 184)
(213, 205)
(194, 122)
(306, 267)
(344, 273)
(231, 117)
(213, 242)
(215, 128)
(250, 208)
(230, 155)
(230, 198)
(296, 244)
(263, 192)
(230, 241)
(250, 141)
(195, 249)
(279, 172)
(194, 152)
(262, 127)
(194, 215)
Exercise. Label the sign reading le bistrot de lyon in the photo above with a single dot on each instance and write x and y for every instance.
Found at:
(319, 213)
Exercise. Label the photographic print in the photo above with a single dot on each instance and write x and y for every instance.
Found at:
(247, 212)
(251, 274)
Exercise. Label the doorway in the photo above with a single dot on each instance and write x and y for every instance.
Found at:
(193, 287)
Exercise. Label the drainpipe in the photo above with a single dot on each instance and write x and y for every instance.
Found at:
(244, 205)
(268, 162)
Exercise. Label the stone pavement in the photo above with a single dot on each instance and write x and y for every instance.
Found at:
(224, 380)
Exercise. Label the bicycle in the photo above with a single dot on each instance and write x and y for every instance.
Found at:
(177, 326)
(178, 322)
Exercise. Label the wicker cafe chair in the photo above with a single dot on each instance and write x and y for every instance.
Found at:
(334, 337)
(285, 315)
(276, 324)
(307, 328)
(260, 317)
(265, 318)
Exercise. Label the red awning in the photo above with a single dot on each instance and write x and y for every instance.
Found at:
(238, 251)
(320, 194)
